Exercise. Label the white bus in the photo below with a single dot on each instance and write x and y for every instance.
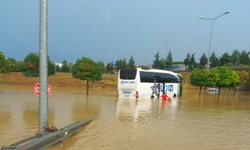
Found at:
(138, 83)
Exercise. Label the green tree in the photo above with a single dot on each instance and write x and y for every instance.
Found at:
(65, 67)
(202, 77)
(169, 59)
(70, 66)
(187, 61)
(158, 63)
(121, 64)
(192, 63)
(58, 69)
(124, 64)
(4, 64)
(225, 58)
(144, 67)
(244, 59)
(203, 60)
(51, 68)
(214, 61)
(32, 66)
(101, 63)
(131, 63)
(178, 62)
(20, 66)
(109, 68)
(87, 69)
(12, 63)
(235, 58)
(227, 78)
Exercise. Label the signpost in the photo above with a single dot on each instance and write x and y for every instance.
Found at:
(43, 66)
(36, 89)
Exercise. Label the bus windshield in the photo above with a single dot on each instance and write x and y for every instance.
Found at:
(128, 74)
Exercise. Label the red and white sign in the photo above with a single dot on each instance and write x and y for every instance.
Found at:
(36, 89)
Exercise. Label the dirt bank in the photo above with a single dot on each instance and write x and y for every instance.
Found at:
(66, 80)
(58, 80)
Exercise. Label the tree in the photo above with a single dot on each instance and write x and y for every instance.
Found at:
(51, 68)
(158, 63)
(131, 63)
(203, 60)
(226, 78)
(235, 58)
(244, 59)
(202, 77)
(109, 68)
(225, 58)
(65, 67)
(214, 61)
(244, 76)
(5, 65)
(58, 69)
(144, 67)
(20, 66)
(12, 63)
(121, 64)
(187, 60)
(192, 63)
(169, 59)
(70, 66)
(87, 69)
(101, 63)
(178, 62)
(32, 66)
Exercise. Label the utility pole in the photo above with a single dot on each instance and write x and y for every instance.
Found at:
(43, 67)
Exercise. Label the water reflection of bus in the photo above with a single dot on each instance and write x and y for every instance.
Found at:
(132, 108)
(138, 83)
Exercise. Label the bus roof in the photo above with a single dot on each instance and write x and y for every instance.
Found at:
(156, 70)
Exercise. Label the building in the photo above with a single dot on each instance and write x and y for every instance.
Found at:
(178, 67)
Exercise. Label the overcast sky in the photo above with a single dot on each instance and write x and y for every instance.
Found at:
(108, 30)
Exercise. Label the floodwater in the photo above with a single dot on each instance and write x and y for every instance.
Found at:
(190, 122)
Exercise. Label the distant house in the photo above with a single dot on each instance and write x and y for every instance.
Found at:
(59, 64)
(179, 67)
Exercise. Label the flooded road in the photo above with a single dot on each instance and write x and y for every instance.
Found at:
(190, 122)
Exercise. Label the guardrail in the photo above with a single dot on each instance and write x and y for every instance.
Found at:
(43, 141)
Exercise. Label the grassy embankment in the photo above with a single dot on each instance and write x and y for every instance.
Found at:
(66, 80)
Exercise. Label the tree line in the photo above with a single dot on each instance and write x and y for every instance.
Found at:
(30, 65)
(237, 58)
(221, 77)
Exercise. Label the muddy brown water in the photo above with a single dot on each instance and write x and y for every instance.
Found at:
(193, 122)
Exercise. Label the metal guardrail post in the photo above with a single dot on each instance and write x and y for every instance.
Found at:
(43, 67)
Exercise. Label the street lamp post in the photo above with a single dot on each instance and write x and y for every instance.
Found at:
(104, 51)
(211, 34)
(167, 43)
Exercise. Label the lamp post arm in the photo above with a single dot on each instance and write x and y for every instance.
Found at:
(219, 16)
(207, 18)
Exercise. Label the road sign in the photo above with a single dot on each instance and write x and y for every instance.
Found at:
(36, 89)
(113, 63)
